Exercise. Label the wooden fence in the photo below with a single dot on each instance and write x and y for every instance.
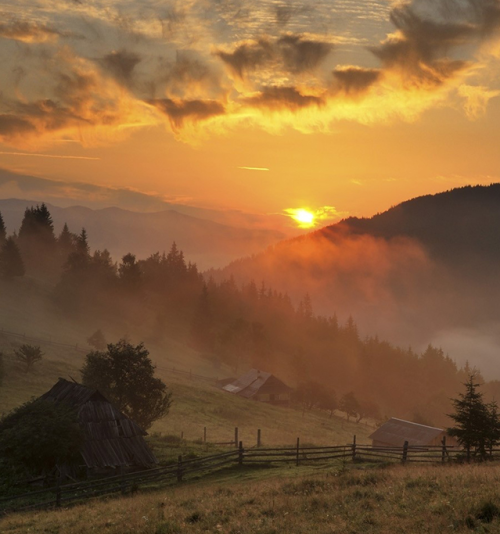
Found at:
(64, 494)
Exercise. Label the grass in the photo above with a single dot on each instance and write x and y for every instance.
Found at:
(352, 499)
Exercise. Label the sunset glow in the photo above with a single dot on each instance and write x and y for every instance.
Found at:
(303, 217)
(199, 100)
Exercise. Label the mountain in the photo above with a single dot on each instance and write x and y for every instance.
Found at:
(424, 271)
(205, 242)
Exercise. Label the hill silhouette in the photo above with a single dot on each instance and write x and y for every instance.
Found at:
(458, 225)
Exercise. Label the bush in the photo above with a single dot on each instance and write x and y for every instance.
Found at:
(37, 436)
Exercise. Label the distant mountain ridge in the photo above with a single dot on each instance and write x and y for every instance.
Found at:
(208, 243)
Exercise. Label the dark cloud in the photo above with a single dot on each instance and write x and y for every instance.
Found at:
(421, 49)
(284, 13)
(289, 98)
(248, 57)
(290, 53)
(121, 64)
(355, 80)
(13, 126)
(300, 55)
(28, 31)
(194, 110)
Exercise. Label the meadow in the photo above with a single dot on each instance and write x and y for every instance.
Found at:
(336, 498)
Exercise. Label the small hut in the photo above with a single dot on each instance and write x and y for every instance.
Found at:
(395, 432)
(110, 439)
(260, 386)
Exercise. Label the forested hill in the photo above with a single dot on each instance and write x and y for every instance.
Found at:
(425, 270)
(461, 225)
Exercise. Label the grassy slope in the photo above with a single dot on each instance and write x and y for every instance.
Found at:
(196, 404)
(409, 499)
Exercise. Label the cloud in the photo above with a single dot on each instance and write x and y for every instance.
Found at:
(121, 64)
(428, 32)
(82, 105)
(185, 63)
(290, 98)
(29, 32)
(178, 111)
(288, 53)
(476, 99)
(354, 80)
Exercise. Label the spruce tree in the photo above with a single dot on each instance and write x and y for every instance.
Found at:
(3, 230)
(11, 262)
(37, 240)
(477, 425)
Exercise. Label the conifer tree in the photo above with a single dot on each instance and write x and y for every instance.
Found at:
(130, 273)
(11, 262)
(66, 241)
(37, 240)
(477, 424)
(3, 230)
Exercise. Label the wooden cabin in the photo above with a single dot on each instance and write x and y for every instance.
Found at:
(395, 432)
(260, 386)
(110, 439)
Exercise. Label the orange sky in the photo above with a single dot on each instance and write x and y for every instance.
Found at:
(354, 106)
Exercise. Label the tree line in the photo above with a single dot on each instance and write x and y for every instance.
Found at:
(239, 326)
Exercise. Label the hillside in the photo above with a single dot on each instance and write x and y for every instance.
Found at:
(197, 404)
(424, 271)
(208, 243)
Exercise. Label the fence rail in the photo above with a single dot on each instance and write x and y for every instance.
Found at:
(181, 470)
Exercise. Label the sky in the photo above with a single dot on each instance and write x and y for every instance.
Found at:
(340, 107)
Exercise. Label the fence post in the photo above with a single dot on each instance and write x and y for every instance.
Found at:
(236, 436)
(179, 469)
(354, 448)
(122, 481)
(58, 490)
(258, 437)
(297, 456)
(443, 451)
(241, 451)
(204, 434)
(405, 452)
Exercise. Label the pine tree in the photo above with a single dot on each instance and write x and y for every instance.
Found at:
(37, 240)
(130, 273)
(81, 242)
(11, 262)
(476, 423)
(3, 230)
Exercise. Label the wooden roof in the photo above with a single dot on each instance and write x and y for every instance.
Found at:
(397, 431)
(255, 381)
(110, 438)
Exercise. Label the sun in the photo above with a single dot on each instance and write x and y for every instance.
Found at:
(304, 217)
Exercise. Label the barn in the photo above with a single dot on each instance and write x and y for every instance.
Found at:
(395, 432)
(260, 386)
(111, 440)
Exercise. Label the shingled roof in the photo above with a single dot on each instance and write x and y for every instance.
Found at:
(396, 431)
(110, 438)
(255, 381)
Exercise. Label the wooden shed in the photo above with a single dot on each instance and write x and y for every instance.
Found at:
(261, 386)
(111, 440)
(395, 432)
